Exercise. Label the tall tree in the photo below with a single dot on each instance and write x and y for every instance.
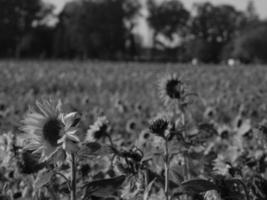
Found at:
(251, 45)
(213, 27)
(251, 12)
(167, 18)
(17, 17)
(96, 28)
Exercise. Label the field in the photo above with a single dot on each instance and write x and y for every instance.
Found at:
(229, 110)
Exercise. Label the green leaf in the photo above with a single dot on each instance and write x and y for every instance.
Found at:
(205, 133)
(195, 186)
(104, 187)
(43, 178)
(92, 149)
(149, 154)
(148, 189)
(175, 175)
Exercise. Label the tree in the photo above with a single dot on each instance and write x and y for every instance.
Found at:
(251, 45)
(212, 28)
(17, 18)
(167, 18)
(96, 28)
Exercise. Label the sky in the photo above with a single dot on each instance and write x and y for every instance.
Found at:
(261, 5)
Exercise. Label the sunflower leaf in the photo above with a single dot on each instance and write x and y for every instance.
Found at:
(90, 149)
(104, 187)
(43, 178)
(195, 186)
(148, 189)
(205, 133)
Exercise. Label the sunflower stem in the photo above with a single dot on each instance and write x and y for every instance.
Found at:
(166, 169)
(186, 160)
(110, 140)
(73, 177)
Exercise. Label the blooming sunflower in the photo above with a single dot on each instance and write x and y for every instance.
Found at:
(45, 126)
(98, 130)
(171, 89)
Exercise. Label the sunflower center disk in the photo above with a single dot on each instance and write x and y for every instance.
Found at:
(51, 131)
(173, 89)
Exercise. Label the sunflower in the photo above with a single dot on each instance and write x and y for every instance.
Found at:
(171, 89)
(160, 127)
(45, 126)
(98, 130)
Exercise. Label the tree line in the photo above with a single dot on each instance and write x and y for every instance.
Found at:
(106, 29)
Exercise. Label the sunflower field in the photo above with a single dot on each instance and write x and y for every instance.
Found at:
(132, 131)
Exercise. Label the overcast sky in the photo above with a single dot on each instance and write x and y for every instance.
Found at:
(261, 5)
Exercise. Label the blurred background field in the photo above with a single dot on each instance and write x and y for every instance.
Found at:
(127, 92)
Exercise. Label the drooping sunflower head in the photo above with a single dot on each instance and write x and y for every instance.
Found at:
(43, 127)
(159, 127)
(28, 163)
(171, 88)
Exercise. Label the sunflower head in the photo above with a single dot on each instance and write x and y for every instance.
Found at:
(51, 131)
(98, 130)
(160, 127)
(131, 125)
(171, 88)
(43, 127)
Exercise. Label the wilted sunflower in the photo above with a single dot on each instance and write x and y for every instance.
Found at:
(160, 127)
(45, 125)
(171, 89)
(27, 162)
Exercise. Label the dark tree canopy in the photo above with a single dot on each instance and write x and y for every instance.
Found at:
(17, 18)
(167, 18)
(251, 45)
(112, 29)
(96, 28)
(212, 28)
(216, 23)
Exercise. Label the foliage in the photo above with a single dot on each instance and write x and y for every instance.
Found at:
(17, 18)
(124, 29)
(251, 45)
(212, 28)
(167, 18)
(95, 28)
